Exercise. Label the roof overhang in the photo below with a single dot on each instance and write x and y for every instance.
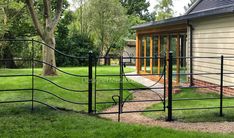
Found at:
(183, 19)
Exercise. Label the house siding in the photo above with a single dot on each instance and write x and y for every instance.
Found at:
(213, 37)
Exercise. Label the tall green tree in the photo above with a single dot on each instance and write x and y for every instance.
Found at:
(164, 9)
(45, 21)
(137, 8)
(107, 22)
(73, 42)
(80, 21)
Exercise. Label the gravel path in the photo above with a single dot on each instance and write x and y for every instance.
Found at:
(138, 118)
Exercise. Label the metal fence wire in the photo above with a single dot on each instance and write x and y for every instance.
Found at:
(165, 77)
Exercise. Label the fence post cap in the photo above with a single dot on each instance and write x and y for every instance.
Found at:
(90, 52)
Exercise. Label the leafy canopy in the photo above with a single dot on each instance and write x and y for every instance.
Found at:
(164, 9)
(106, 22)
(137, 8)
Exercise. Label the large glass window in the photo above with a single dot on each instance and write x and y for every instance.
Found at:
(149, 54)
(145, 54)
(163, 49)
(155, 54)
(142, 47)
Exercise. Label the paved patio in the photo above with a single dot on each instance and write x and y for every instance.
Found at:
(147, 82)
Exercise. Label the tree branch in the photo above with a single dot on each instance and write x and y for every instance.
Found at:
(34, 17)
(58, 13)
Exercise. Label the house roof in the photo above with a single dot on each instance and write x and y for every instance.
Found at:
(193, 13)
(204, 5)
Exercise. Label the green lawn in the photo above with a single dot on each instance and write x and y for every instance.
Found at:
(18, 121)
(71, 82)
(211, 115)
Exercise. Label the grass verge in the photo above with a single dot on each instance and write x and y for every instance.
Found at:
(18, 121)
(201, 115)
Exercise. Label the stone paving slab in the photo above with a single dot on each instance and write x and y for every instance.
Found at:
(147, 82)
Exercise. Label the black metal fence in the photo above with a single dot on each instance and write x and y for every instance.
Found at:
(121, 98)
(211, 75)
(33, 61)
(124, 77)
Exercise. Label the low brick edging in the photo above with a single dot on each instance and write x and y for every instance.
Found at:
(227, 91)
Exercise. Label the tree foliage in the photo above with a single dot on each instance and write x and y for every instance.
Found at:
(73, 43)
(14, 24)
(78, 45)
(164, 9)
(107, 24)
(137, 8)
(3, 18)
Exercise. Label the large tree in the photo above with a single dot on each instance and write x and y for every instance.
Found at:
(45, 27)
(107, 21)
(164, 9)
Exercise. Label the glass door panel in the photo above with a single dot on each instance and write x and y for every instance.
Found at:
(142, 54)
(155, 54)
(147, 54)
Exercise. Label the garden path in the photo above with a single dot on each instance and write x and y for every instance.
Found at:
(139, 118)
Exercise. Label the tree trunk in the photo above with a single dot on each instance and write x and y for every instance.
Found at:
(49, 56)
(107, 60)
(107, 57)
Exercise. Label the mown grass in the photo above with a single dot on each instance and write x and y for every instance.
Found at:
(67, 81)
(200, 115)
(18, 121)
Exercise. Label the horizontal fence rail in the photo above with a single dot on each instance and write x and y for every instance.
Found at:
(32, 60)
(218, 71)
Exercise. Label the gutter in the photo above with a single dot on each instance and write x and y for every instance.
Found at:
(222, 10)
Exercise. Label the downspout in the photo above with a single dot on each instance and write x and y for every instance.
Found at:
(191, 53)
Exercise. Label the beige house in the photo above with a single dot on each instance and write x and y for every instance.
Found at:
(206, 30)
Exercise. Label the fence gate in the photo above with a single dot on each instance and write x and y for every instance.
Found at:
(127, 96)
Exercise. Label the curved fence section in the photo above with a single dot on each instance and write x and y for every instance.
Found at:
(32, 78)
(97, 89)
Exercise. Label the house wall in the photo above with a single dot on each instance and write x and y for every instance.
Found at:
(213, 37)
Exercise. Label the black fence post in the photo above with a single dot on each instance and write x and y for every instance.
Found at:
(90, 85)
(164, 81)
(120, 86)
(169, 79)
(221, 87)
(32, 62)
